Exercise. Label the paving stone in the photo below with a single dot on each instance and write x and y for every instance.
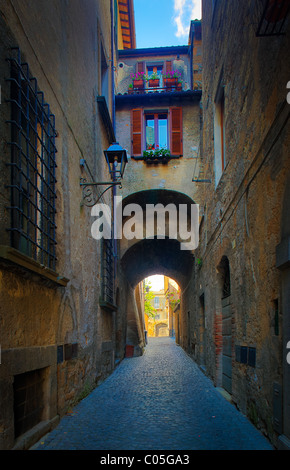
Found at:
(159, 401)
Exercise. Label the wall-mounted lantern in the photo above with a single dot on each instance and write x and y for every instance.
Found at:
(116, 158)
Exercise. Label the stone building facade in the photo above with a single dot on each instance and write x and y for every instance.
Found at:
(233, 317)
(58, 333)
(240, 322)
(158, 325)
(71, 306)
(147, 119)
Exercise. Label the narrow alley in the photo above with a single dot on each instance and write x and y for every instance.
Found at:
(141, 139)
(160, 400)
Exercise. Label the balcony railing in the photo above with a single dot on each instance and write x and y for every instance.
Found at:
(168, 85)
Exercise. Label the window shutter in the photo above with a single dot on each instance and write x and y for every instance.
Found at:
(136, 127)
(176, 131)
(140, 67)
(168, 66)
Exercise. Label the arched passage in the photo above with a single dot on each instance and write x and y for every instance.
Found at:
(140, 258)
(154, 256)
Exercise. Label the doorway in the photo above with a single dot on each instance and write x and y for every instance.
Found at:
(226, 320)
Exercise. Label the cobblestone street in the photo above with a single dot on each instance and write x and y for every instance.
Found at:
(160, 401)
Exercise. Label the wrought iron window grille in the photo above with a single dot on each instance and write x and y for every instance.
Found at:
(33, 166)
(273, 19)
(108, 263)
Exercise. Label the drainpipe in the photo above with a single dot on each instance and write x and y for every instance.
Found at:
(191, 56)
(112, 64)
(114, 128)
(114, 178)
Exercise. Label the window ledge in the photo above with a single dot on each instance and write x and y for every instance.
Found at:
(107, 305)
(157, 159)
(103, 108)
(24, 262)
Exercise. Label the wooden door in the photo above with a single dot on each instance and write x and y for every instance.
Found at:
(227, 345)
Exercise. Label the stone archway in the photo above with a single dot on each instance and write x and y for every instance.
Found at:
(148, 257)
(140, 258)
(161, 329)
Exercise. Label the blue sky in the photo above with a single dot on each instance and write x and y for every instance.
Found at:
(164, 22)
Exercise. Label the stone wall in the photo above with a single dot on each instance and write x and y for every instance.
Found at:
(177, 174)
(243, 209)
(57, 323)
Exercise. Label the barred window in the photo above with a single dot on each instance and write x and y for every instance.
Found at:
(33, 166)
(108, 271)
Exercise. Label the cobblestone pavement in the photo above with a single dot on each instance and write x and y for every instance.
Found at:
(160, 401)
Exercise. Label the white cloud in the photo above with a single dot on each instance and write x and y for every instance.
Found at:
(184, 12)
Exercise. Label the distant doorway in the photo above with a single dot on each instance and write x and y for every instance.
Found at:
(226, 330)
(161, 329)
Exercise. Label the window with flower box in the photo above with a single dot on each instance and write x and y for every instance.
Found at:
(156, 129)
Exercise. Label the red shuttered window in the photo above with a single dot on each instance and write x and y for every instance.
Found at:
(138, 135)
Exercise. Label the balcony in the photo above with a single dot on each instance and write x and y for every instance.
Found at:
(155, 86)
(155, 82)
(152, 96)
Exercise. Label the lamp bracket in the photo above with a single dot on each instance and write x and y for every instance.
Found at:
(89, 197)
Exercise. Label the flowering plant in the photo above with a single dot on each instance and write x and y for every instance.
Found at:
(172, 74)
(153, 76)
(138, 76)
(156, 153)
(173, 301)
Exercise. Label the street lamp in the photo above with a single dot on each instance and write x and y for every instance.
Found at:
(116, 158)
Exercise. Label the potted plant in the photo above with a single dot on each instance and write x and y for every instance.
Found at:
(153, 80)
(171, 78)
(156, 155)
(131, 88)
(138, 79)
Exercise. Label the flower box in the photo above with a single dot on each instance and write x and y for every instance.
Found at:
(156, 160)
(139, 84)
(154, 83)
(158, 155)
(170, 82)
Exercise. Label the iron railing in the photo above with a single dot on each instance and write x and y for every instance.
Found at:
(108, 263)
(155, 89)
